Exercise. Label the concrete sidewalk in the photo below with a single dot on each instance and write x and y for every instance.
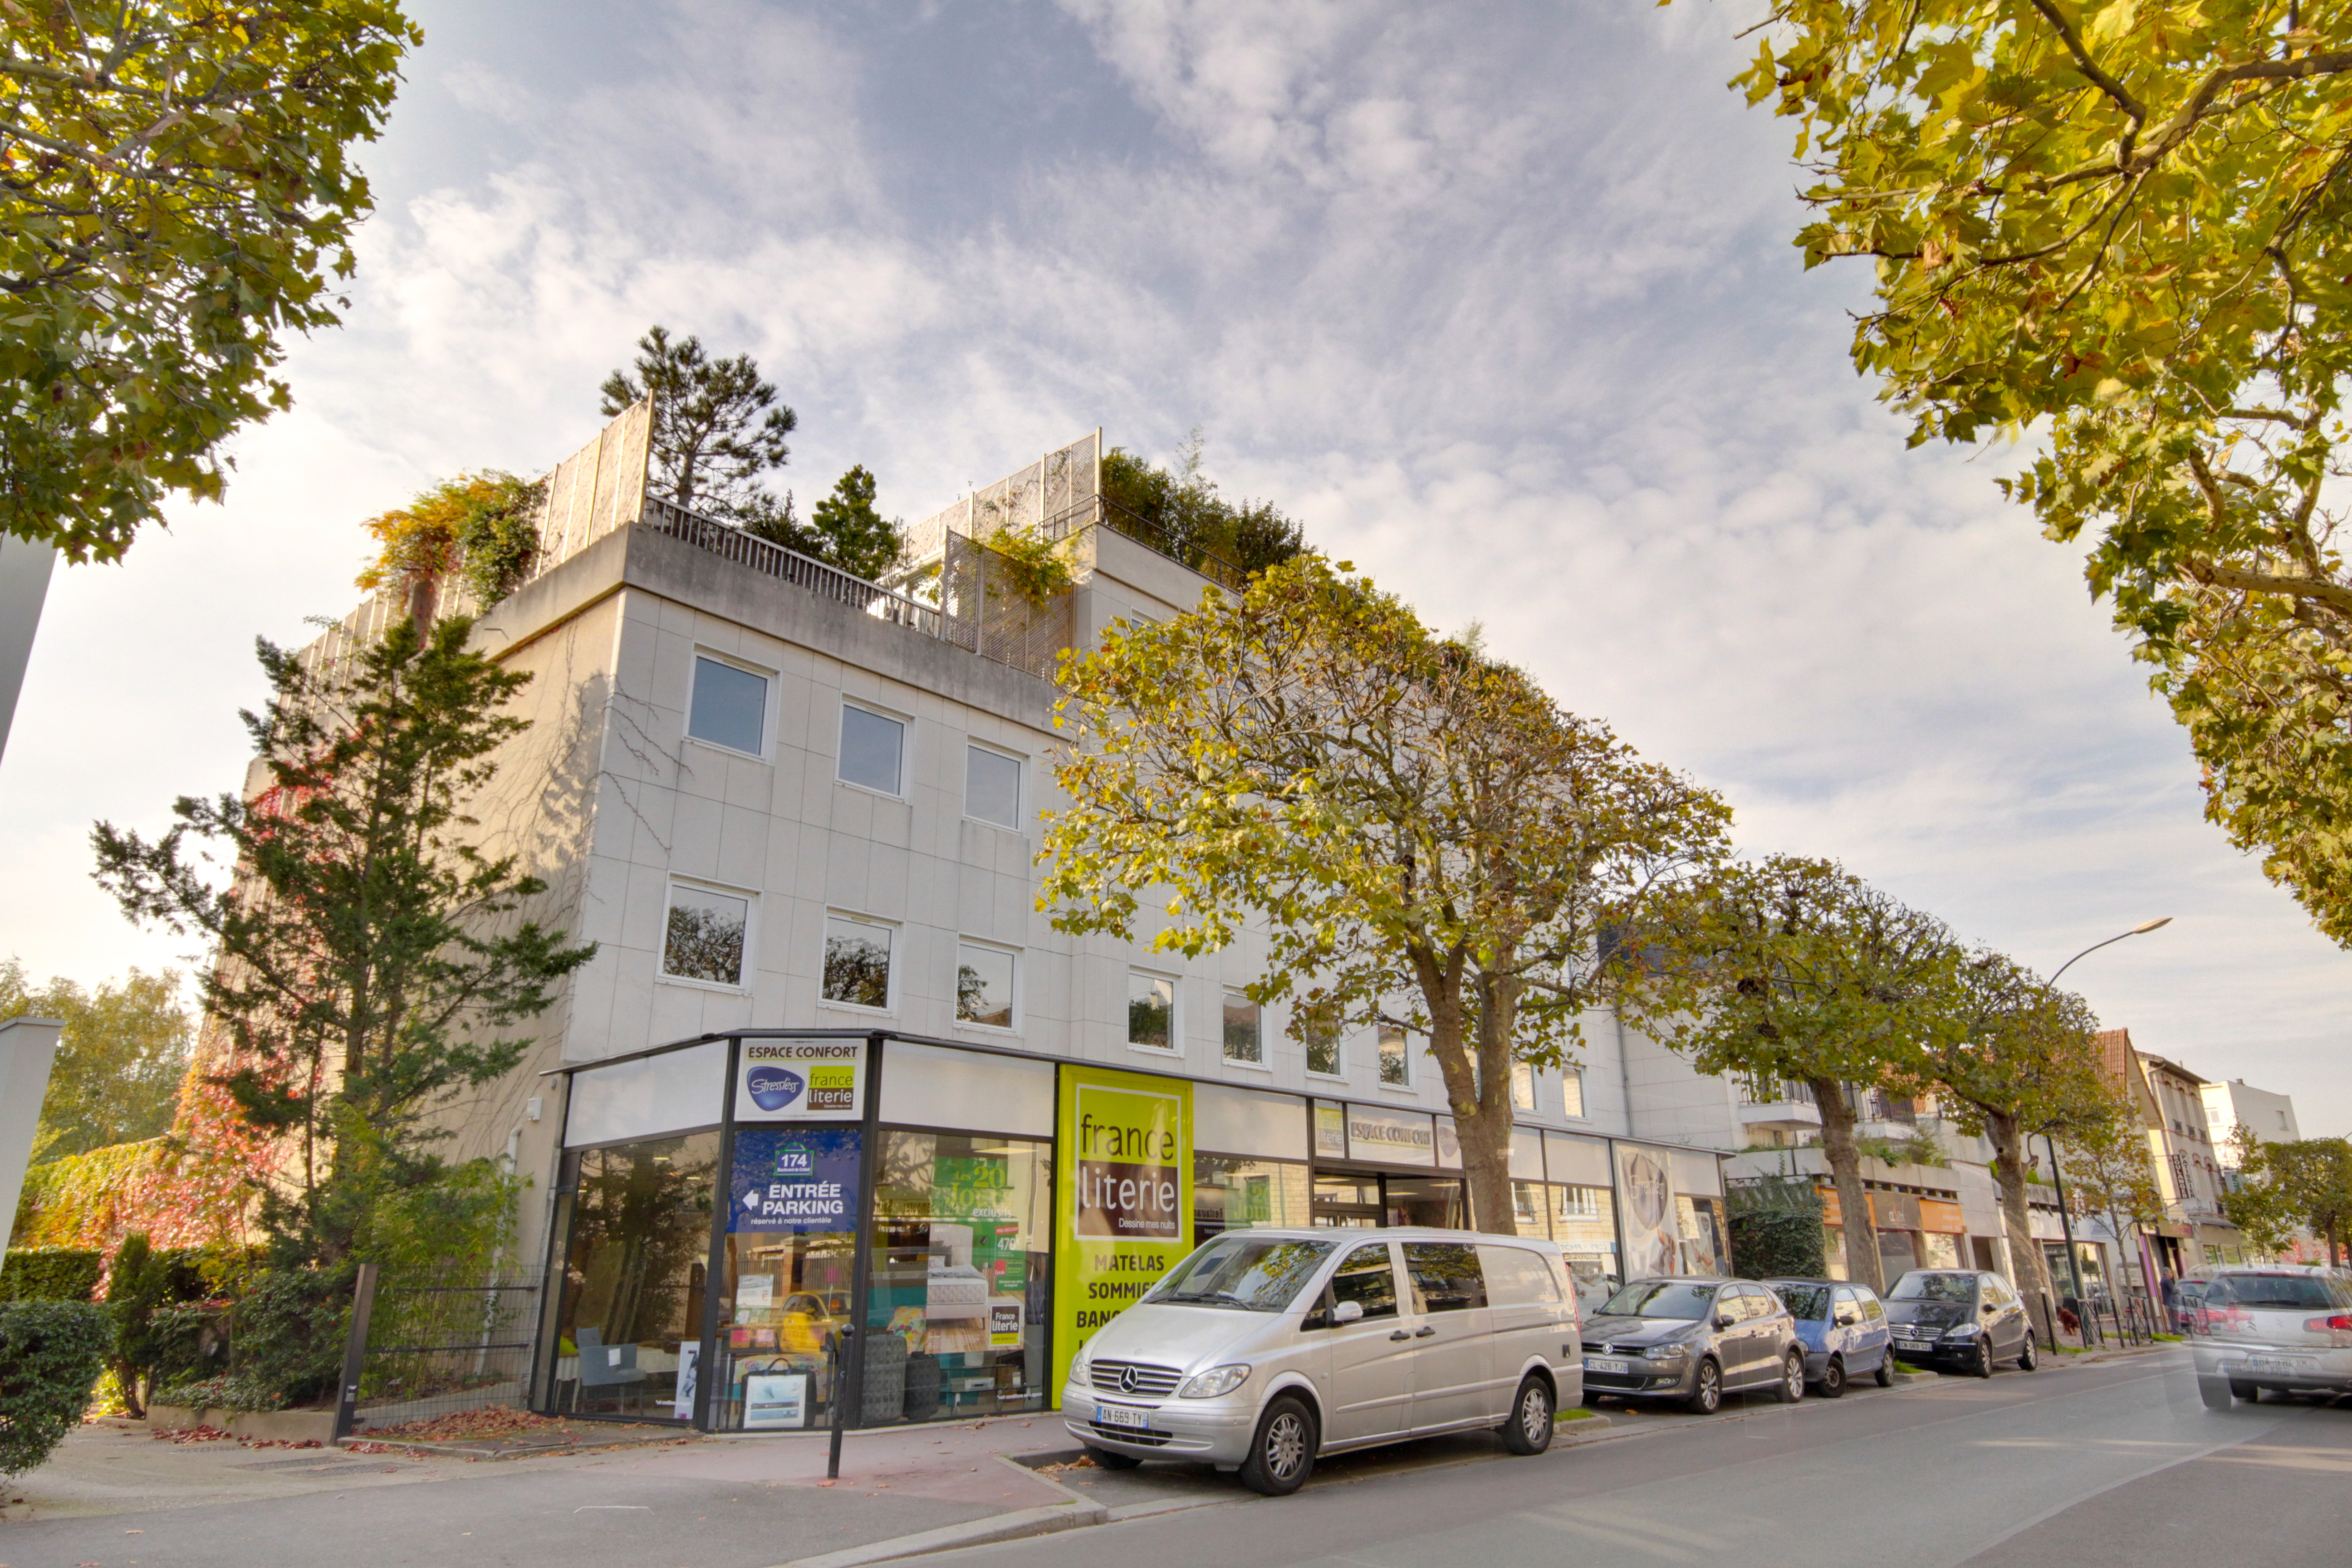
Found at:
(113, 1495)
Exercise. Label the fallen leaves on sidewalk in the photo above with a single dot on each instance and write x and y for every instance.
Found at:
(491, 1421)
(1083, 1462)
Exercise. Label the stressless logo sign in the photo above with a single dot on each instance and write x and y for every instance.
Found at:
(773, 1088)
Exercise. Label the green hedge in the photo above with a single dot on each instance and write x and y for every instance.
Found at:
(1774, 1243)
(50, 1274)
(51, 1353)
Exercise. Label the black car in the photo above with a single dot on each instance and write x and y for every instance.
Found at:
(1958, 1320)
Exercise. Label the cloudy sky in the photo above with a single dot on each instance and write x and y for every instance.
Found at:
(1497, 299)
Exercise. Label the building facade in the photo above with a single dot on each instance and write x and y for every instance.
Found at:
(831, 1069)
(2235, 1103)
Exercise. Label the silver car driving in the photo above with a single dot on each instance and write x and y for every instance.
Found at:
(2271, 1326)
(1266, 1348)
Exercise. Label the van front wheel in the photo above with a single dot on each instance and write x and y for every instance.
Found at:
(1528, 1431)
(1282, 1455)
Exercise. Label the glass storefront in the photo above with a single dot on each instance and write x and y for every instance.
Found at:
(962, 1287)
(961, 1315)
(638, 1221)
(1233, 1191)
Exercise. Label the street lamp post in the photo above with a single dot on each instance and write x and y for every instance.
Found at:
(2066, 1220)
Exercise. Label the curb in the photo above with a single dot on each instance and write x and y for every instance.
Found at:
(481, 1451)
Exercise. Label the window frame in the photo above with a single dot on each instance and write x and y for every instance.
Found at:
(1175, 1045)
(1020, 784)
(1012, 1003)
(1257, 1031)
(1572, 1079)
(1404, 1035)
(741, 984)
(1307, 1029)
(891, 988)
(767, 678)
(906, 723)
(1525, 1073)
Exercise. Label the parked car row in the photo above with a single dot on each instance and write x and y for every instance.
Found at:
(1267, 1349)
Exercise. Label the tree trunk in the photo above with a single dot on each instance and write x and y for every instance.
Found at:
(2009, 1172)
(1845, 1169)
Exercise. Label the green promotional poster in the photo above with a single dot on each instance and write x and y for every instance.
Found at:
(1124, 1215)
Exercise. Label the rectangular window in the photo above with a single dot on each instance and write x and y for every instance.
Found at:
(730, 707)
(1151, 1011)
(1396, 1065)
(856, 963)
(1242, 1044)
(704, 936)
(873, 749)
(1445, 1275)
(1523, 1085)
(991, 786)
(983, 986)
(1318, 1026)
(1571, 1093)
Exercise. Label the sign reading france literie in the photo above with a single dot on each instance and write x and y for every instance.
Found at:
(1124, 1214)
(801, 1081)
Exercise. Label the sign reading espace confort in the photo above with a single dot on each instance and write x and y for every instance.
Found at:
(801, 1081)
(1124, 1214)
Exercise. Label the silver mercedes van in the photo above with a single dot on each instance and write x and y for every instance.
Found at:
(1266, 1348)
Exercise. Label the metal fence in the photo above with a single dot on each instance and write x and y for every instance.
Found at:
(427, 1345)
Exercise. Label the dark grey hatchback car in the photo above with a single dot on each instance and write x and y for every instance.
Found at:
(1958, 1320)
(1693, 1340)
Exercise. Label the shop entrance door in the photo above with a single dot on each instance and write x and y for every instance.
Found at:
(1369, 1198)
(1347, 1200)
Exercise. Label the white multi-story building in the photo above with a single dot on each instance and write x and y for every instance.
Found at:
(781, 799)
(2235, 1103)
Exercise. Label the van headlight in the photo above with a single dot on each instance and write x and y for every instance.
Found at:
(1080, 1366)
(1210, 1384)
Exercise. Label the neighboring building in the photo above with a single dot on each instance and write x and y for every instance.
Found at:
(779, 797)
(2234, 1104)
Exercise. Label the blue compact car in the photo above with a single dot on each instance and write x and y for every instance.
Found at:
(1843, 1329)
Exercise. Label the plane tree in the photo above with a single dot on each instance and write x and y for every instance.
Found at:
(1425, 837)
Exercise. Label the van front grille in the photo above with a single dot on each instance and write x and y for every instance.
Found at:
(1136, 1379)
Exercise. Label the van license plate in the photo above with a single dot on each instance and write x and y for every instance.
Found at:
(1120, 1415)
(1607, 1364)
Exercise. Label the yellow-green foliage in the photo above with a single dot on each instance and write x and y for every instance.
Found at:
(1032, 566)
(481, 527)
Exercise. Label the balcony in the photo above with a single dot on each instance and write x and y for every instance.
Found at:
(1777, 1104)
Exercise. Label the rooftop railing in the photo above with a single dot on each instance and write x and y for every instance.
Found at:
(729, 543)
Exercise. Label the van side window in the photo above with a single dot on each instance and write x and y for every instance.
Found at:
(1366, 1279)
(1517, 1277)
(1445, 1276)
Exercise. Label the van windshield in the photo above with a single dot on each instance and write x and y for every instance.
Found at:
(1257, 1274)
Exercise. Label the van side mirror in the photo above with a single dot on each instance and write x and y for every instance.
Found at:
(1723, 1320)
(1347, 1312)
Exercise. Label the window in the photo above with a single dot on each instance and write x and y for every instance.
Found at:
(730, 707)
(984, 985)
(1517, 1277)
(1396, 1063)
(1445, 1276)
(704, 938)
(1242, 1042)
(1368, 1279)
(1523, 1085)
(1151, 1011)
(1318, 1026)
(991, 786)
(856, 963)
(873, 749)
(1571, 1093)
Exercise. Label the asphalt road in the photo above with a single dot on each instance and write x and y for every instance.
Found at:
(2112, 1464)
